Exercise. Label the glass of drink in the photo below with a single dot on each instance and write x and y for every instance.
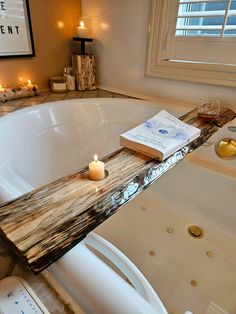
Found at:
(209, 109)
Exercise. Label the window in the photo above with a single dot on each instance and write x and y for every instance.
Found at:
(193, 40)
(206, 18)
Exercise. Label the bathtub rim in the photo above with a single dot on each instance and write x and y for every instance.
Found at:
(159, 104)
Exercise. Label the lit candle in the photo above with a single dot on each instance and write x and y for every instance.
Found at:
(96, 169)
(1, 88)
(82, 31)
(29, 83)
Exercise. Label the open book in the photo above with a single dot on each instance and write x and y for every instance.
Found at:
(160, 136)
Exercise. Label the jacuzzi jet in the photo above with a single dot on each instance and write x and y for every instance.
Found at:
(195, 232)
(194, 283)
(209, 254)
(152, 253)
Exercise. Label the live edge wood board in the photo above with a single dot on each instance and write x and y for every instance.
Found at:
(42, 225)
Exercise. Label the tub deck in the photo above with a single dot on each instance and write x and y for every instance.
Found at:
(44, 224)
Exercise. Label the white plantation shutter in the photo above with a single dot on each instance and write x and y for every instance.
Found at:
(202, 31)
(206, 18)
(193, 40)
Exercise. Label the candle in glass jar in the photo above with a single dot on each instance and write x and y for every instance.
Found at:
(96, 169)
(29, 83)
(82, 30)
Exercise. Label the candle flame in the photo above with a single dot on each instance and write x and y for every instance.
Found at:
(95, 157)
(81, 24)
(1, 86)
(29, 82)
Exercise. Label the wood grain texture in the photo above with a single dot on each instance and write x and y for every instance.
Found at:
(84, 68)
(44, 224)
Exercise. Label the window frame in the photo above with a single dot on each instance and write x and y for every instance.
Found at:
(159, 66)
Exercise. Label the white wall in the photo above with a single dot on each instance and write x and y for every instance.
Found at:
(121, 32)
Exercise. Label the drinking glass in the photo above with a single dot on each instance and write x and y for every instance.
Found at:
(209, 109)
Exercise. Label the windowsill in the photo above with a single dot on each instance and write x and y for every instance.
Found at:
(207, 73)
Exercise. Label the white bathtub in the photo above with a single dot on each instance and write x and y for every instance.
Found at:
(40, 144)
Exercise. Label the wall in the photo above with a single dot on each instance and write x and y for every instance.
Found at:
(121, 32)
(52, 22)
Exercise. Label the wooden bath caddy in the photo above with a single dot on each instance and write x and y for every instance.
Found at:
(44, 224)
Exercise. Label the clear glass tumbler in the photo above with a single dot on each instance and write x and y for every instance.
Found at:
(209, 109)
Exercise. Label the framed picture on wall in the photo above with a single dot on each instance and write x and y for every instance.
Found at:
(16, 38)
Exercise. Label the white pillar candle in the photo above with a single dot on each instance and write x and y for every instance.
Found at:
(96, 169)
(82, 30)
(29, 83)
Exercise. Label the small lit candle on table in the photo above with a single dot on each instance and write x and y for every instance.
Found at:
(1, 88)
(96, 169)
